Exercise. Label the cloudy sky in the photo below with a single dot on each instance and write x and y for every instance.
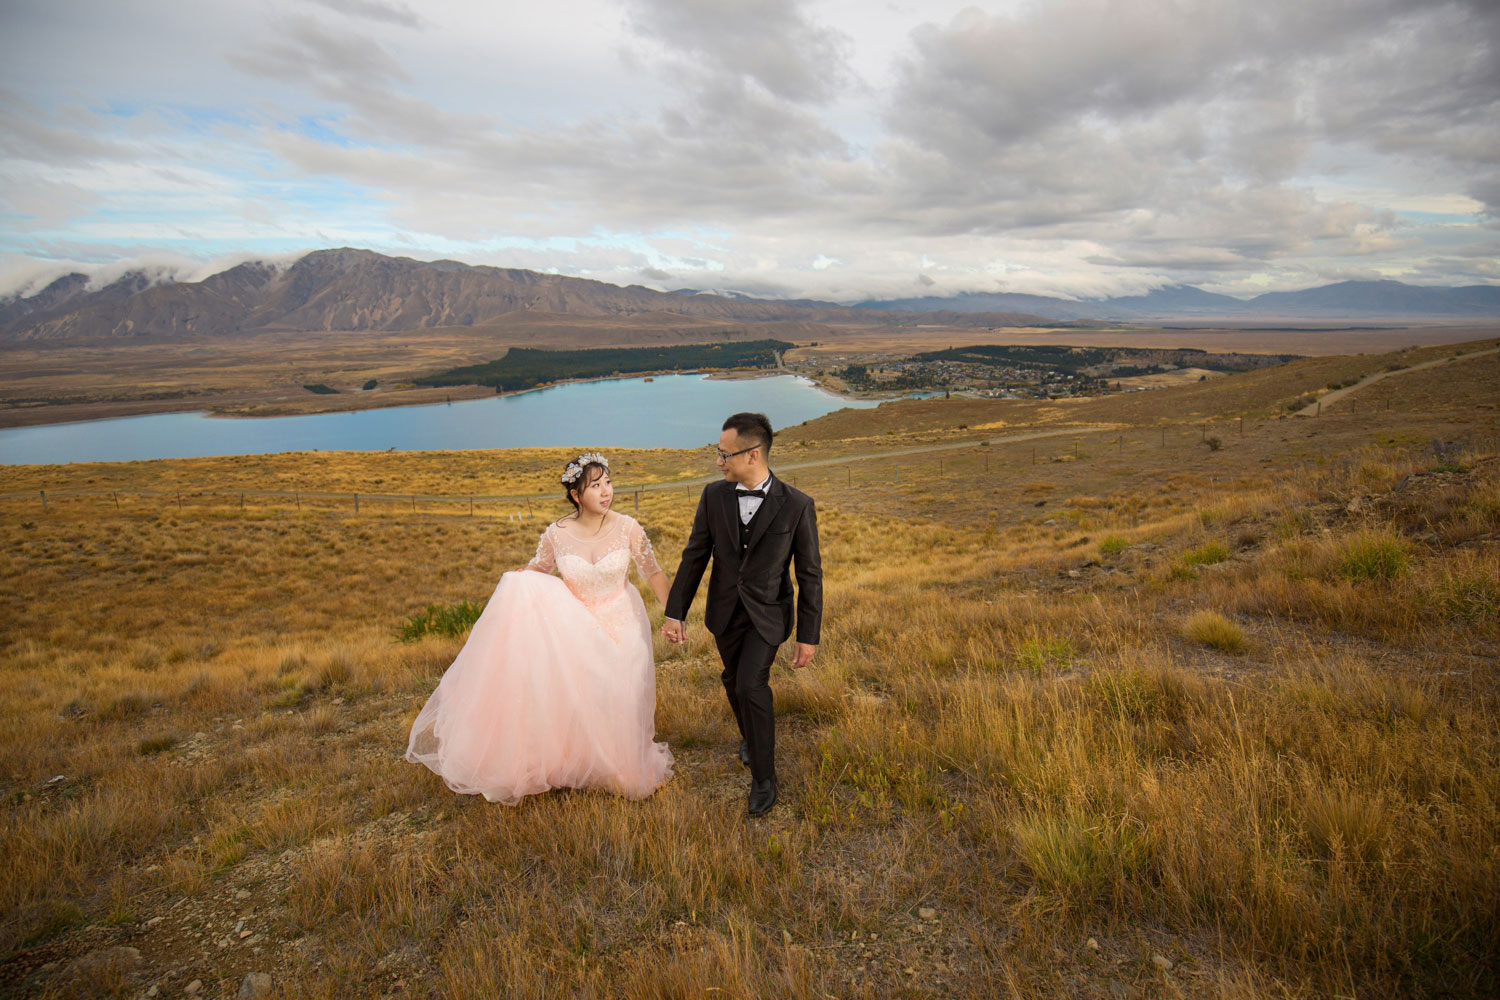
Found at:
(829, 148)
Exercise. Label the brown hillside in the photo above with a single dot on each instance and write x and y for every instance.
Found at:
(356, 290)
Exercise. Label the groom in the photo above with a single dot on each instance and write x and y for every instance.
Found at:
(753, 525)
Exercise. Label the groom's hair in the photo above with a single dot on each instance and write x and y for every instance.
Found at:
(754, 430)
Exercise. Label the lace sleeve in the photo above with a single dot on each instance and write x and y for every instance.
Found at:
(546, 556)
(640, 550)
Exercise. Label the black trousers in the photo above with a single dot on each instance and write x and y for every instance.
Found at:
(747, 682)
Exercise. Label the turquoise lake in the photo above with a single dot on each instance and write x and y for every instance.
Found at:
(672, 411)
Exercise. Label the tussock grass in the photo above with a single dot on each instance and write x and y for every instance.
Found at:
(1113, 545)
(1034, 756)
(1374, 555)
(1206, 554)
(1214, 630)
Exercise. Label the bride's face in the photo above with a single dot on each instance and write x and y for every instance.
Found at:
(596, 497)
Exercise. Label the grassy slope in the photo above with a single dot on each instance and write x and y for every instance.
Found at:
(1233, 708)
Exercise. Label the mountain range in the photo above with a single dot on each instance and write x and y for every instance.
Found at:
(348, 289)
(1344, 300)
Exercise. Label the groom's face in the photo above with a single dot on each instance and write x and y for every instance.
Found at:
(736, 466)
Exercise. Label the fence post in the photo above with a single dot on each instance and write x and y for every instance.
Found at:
(242, 501)
(116, 497)
(1242, 426)
(356, 503)
(638, 501)
(471, 506)
(179, 503)
(299, 501)
(1164, 435)
(848, 476)
(413, 504)
(44, 500)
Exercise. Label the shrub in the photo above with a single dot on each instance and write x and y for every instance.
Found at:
(1215, 631)
(1372, 473)
(1128, 693)
(450, 620)
(1041, 655)
(1080, 858)
(335, 670)
(321, 389)
(1113, 545)
(45, 919)
(156, 744)
(1374, 555)
(1205, 555)
(1446, 457)
(1468, 594)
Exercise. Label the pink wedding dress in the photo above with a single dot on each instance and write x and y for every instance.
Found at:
(556, 685)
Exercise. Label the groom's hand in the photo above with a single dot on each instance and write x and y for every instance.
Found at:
(802, 654)
(674, 631)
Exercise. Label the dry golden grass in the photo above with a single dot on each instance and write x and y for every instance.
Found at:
(1006, 747)
(1214, 630)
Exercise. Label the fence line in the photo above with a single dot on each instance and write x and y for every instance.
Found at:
(928, 461)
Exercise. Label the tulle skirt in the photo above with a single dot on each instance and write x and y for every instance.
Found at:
(542, 696)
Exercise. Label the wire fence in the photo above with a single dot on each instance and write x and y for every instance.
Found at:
(998, 457)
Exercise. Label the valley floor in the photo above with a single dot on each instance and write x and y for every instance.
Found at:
(1168, 703)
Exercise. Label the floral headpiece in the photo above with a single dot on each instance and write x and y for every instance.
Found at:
(575, 468)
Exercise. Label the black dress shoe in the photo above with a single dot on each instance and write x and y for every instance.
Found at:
(744, 753)
(762, 797)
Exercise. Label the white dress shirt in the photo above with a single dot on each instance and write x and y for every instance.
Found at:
(748, 504)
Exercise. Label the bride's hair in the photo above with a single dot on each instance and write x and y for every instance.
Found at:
(588, 473)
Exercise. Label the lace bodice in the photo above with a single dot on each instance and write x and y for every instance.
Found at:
(595, 568)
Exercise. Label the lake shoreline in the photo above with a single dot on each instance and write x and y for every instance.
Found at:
(669, 411)
(254, 406)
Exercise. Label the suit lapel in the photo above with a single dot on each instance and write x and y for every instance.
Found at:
(729, 510)
(769, 508)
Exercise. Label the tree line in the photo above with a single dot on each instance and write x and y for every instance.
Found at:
(527, 367)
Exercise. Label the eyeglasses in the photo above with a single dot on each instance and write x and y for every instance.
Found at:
(720, 455)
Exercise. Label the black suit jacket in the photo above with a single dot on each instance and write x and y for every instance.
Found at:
(785, 527)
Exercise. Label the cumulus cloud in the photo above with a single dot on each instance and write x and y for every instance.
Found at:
(1082, 147)
(774, 43)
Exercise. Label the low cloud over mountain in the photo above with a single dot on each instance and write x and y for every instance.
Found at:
(350, 289)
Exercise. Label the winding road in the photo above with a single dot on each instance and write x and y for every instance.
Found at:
(1314, 408)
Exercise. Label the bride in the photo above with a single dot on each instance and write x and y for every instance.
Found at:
(556, 685)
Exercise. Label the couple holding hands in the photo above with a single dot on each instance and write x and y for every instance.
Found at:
(556, 685)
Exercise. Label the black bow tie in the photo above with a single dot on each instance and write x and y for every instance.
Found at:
(752, 493)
